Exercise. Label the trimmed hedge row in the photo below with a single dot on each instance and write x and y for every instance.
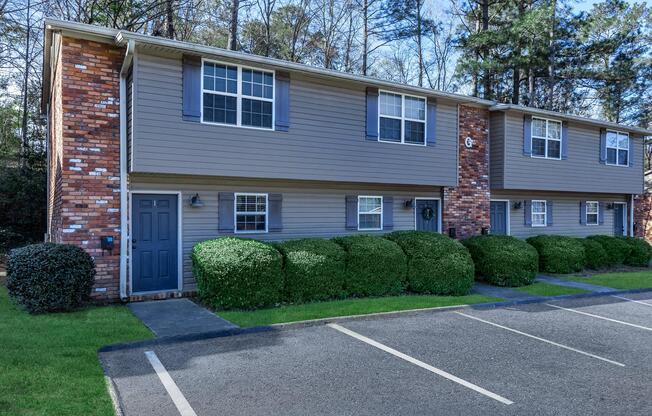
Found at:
(503, 260)
(49, 277)
(242, 273)
(558, 254)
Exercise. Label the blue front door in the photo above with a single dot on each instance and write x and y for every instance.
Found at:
(498, 217)
(154, 245)
(427, 215)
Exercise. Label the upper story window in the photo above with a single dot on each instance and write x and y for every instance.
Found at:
(250, 213)
(237, 96)
(402, 118)
(539, 214)
(370, 213)
(592, 209)
(617, 148)
(546, 138)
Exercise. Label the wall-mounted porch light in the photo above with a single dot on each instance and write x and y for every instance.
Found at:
(196, 202)
(517, 205)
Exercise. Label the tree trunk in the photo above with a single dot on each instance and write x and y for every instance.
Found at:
(551, 56)
(233, 29)
(485, 51)
(530, 87)
(365, 36)
(420, 41)
(25, 137)
(169, 13)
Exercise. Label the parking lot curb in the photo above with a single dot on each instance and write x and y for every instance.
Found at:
(340, 319)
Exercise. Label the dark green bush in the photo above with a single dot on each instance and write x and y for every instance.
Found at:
(595, 256)
(639, 252)
(558, 254)
(314, 269)
(9, 239)
(374, 266)
(50, 277)
(237, 273)
(616, 248)
(436, 263)
(503, 260)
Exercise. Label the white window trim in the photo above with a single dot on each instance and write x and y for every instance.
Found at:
(235, 213)
(403, 118)
(371, 213)
(545, 213)
(547, 139)
(239, 96)
(586, 213)
(607, 147)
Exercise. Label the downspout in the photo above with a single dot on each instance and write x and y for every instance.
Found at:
(631, 215)
(124, 237)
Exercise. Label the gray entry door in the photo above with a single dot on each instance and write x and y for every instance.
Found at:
(498, 217)
(427, 215)
(154, 243)
(619, 223)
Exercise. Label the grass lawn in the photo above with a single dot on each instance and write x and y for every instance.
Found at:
(546, 289)
(293, 313)
(625, 280)
(49, 364)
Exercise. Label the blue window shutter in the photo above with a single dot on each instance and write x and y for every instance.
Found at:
(191, 77)
(372, 114)
(431, 121)
(226, 220)
(275, 211)
(388, 213)
(351, 212)
(601, 213)
(527, 135)
(564, 140)
(282, 98)
(527, 213)
(631, 154)
(583, 212)
(549, 213)
(603, 146)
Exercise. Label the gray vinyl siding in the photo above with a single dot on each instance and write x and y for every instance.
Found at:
(581, 172)
(496, 149)
(565, 215)
(326, 140)
(312, 209)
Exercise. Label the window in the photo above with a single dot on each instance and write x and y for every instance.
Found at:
(592, 208)
(539, 214)
(237, 96)
(402, 118)
(370, 213)
(617, 148)
(546, 138)
(250, 213)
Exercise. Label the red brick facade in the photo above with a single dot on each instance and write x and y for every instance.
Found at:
(643, 216)
(85, 155)
(466, 206)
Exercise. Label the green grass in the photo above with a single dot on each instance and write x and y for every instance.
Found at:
(546, 289)
(619, 280)
(293, 313)
(49, 364)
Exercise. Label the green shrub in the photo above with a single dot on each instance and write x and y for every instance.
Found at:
(616, 248)
(436, 263)
(237, 273)
(595, 256)
(639, 252)
(9, 239)
(558, 254)
(503, 260)
(314, 269)
(374, 266)
(50, 277)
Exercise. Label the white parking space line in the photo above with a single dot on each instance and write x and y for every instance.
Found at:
(542, 340)
(421, 364)
(177, 397)
(600, 317)
(632, 300)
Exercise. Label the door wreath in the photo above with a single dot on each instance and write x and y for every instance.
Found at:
(427, 213)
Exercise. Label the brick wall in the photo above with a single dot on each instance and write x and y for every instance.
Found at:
(85, 161)
(643, 216)
(466, 206)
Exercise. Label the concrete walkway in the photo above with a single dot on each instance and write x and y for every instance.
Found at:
(570, 283)
(175, 317)
(503, 292)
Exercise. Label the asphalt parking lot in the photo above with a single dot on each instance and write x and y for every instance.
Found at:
(590, 356)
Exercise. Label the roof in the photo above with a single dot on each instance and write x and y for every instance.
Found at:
(122, 37)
